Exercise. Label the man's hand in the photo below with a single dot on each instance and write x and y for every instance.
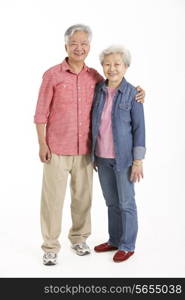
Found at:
(95, 167)
(136, 173)
(140, 96)
(44, 153)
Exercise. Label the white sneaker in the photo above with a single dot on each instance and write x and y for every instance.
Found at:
(49, 259)
(81, 249)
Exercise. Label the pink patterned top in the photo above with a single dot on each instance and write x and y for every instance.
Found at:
(105, 145)
(64, 105)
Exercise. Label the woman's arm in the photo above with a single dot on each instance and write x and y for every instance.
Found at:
(138, 130)
(138, 133)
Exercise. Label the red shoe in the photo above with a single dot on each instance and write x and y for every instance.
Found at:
(104, 247)
(122, 255)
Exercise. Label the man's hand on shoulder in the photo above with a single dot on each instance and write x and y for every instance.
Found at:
(140, 96)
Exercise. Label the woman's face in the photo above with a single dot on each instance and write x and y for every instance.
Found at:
(114, 68)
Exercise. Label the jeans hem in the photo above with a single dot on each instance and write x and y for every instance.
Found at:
(126, 248)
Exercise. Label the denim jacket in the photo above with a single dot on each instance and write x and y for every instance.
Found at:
(128, 125)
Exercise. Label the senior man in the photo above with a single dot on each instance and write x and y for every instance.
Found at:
(63, 125)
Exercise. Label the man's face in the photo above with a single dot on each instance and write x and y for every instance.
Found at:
(78, 46)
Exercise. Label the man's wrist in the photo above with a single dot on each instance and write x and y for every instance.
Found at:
(42, 143)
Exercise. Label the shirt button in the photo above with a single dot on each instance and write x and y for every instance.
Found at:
(79, 99)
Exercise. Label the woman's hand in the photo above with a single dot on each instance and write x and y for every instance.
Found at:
(140, 96)
(137, 171)
(44, 153)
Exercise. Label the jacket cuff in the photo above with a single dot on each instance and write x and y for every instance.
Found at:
(139, 152)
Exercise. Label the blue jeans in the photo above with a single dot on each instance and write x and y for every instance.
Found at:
(118, 192)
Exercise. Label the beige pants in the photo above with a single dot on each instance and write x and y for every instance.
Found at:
(55, 175)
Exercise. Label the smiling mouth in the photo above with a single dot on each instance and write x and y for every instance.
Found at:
(112, 74)
(79, 54)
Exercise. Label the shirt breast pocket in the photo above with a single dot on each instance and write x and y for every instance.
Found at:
(63, 93)
(124, 112)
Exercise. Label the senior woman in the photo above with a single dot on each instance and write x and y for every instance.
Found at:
(118, 130)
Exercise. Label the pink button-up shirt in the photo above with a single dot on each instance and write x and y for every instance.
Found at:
(105, 144)
(64, 105)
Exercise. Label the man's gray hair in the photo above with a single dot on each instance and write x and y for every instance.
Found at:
(77, 27)
(125, 53)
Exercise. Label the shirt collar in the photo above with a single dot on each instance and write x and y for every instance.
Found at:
(65, 66)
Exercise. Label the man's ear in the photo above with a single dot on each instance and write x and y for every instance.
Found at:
(66, 47)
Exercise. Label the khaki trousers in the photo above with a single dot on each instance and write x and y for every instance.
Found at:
(55, 174)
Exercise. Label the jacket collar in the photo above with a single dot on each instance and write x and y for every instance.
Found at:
(120, 88)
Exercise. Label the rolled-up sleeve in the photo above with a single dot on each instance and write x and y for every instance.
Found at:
(138, 130)
(44, 99)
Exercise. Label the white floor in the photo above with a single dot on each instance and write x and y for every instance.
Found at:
(154, 257)
(160, 248)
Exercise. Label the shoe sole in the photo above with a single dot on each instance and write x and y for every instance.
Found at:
(49, 263)
(99, 251)
(82, 254)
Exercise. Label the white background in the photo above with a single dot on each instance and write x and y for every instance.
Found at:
(31, 39)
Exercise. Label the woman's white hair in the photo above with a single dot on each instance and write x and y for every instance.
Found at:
(77, 27)
(125, 53)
